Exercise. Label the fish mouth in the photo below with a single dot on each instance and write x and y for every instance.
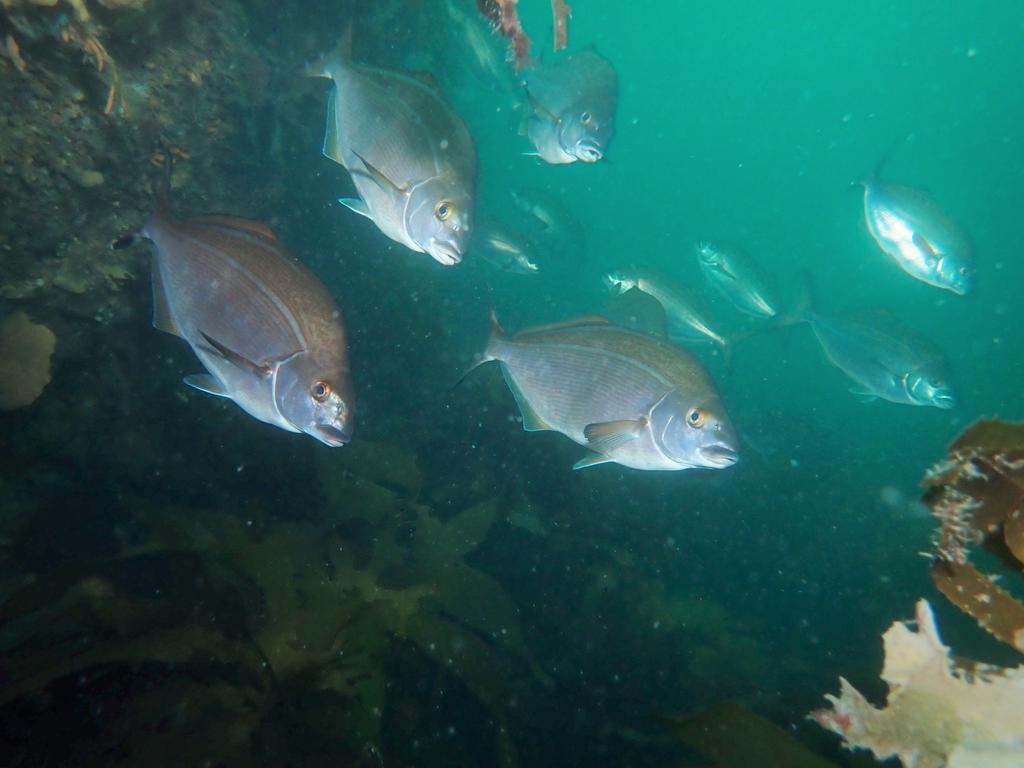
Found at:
(332, 436)
(945, 402)
(445, 252)
(718, 456)
(588, 151)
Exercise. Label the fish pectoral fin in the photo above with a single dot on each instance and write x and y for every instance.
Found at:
(377, 177)
(163, 320)
(591, 460)
(925, 247)
(606, 436)
(204, 382)
(236, 359)
(863, 395)
(356, 205)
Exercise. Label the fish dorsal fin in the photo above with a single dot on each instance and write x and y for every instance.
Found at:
(252, 226)
(236, 359)
(163, 320)
(332, 142)
(577, 322)
(605, 436)
(377, 177)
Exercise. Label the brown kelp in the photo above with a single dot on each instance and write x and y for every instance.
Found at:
(248, 619)
(977, 493)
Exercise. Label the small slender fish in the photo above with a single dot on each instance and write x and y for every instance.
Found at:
(503, 248)
(264, 327)
(550, 222)
(411, 157)
(628, 397)
(739, 278)
(573, 100)
(884, 357)
(686, 317)
(924, 241)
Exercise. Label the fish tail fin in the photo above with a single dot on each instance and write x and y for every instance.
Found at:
(161, 211)
(497, 334)
(334, 59)
(883, 161)
(802, 309)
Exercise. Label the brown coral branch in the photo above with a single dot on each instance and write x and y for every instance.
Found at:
(560, 12)
(504, 15)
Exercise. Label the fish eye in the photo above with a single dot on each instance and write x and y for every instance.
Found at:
(443, 210)
(695, 418)
(586, 118)
(320, 391)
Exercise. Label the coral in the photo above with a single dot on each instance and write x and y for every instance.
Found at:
(25, 352)
(504, 15)
(560, 12)
(938, 714)
(977, 494)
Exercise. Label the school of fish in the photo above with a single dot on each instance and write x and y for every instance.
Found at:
(272, 339)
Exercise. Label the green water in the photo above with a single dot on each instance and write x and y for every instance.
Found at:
(184, 584)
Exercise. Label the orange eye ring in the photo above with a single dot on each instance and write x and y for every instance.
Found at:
(443, 210)
(320, 391)
(695, 418)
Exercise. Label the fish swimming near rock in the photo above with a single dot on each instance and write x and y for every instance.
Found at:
(628, 397)
(573, 101)
(503, 248)
(410, 155)
(884, 357)
(737, 277)
(265, 328)
(687, 318)
(927, 243)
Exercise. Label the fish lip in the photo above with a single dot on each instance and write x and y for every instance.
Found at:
(719, 455)
(588, 151)
(945, 402)
(332, 436)
(444, 252)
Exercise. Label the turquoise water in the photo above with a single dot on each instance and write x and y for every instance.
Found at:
(446, 590)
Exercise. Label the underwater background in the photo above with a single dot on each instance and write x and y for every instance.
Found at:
(182, 584)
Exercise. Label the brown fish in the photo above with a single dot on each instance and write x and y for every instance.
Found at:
(264, 327)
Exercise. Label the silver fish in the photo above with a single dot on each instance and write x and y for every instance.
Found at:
(927, 243)
(884, 357)
(686, 317)
(552, 224)
(738, 278)
(411, 157)
(486, 48)
(628, 397)
(573, 100)
(264, 327)
(503, 248)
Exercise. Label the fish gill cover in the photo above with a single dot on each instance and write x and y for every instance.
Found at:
(181, 583)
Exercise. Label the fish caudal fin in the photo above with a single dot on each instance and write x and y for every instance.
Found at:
(334, 59)
(497, 333)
